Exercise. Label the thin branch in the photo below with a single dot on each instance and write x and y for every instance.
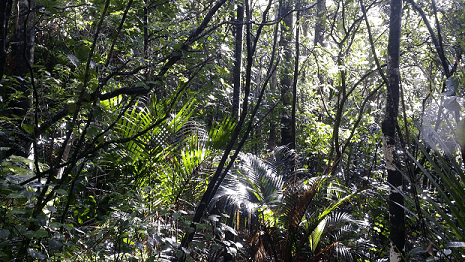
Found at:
(372, 45)
(360, 115)
(436, 42)
(40, 203)
(118, 32)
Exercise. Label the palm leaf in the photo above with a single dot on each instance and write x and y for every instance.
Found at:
(446, 204)
(221, 134)
(316, 234)
(457, 208)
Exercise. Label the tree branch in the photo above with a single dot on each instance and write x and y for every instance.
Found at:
(438, 45)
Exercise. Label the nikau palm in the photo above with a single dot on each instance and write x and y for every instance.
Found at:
(286, 215)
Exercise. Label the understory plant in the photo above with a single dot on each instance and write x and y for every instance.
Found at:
(283, 213)
(440, 186)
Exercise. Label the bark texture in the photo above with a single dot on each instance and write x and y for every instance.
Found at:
(286, 75)
(237, 60)
(396, 201)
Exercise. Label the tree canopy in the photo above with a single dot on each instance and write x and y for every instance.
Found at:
(232, 130)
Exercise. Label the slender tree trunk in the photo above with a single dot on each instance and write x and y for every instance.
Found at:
(236, 96)
(286, 75)
(22, 46)
(20, 59)
(272, 137)
(319, 26)
(146, 29)
(237, 60)
(5, 9)
(294, 83)
(437, 40)
(396, 201)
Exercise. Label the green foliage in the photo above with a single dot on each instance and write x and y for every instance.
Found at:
(442, 205)
(299, 215)
(125, 112)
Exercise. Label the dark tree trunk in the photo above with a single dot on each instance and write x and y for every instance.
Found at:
(237, 61)
(146, 29)
(286, 76)
(396, 201)
(272, 137)
(22, 45)
(5, 9)
(19, 61)
(294, 83)
(319, 26)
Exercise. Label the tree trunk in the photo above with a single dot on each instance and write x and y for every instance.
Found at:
(272, 137)
(319, 26)
(286, 76)
(5, 7)
(22, 46)
(396, 201)
(146, 28)
(294, 83)
(237, 61)
(19, 61)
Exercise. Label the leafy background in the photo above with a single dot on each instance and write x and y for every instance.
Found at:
(119, 141)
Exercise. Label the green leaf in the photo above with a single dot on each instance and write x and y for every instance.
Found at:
(93, 84)
(460, 133)
(15, 195)
(179, 253)
(54, 244)
(28, 128)
(68, 227)
(73, 59)
(52, 209)
(61, 192)
(18, 212)
(72, 107)
(40, 233)
(97, 112)
(55, 224)
(316, 234)
(29, 234)
(141, 84)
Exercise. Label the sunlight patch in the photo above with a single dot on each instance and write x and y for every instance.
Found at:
(441, 127)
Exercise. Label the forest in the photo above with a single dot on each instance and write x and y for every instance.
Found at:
(232, 130)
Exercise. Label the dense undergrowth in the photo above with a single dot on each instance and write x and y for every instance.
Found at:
(140, 130)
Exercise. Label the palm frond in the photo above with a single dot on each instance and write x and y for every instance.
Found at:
(221, 134)
(306, 224)
(302, 202)
(282, 162)
(140, 118)
(315, 236)
(444, 206)
(184, 171)
(251, 182)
